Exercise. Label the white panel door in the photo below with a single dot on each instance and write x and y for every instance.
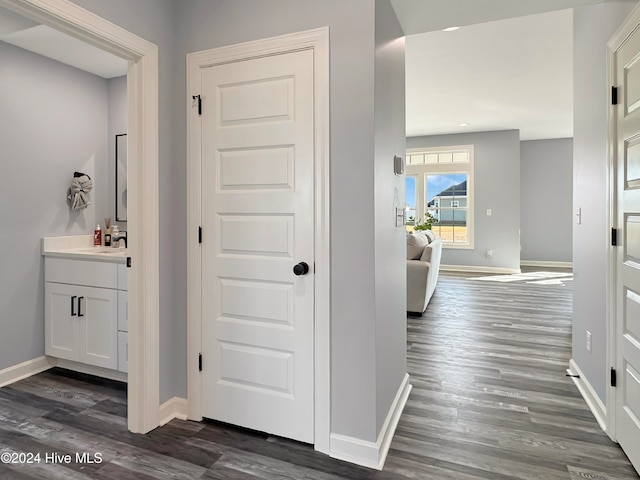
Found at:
(627, 61)
(258, 220)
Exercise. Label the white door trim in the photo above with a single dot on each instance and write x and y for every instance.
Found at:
(318, 40)
(142, 92)
(619, 38)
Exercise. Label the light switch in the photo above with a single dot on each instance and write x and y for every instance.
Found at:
(578, 216)
(488, 212)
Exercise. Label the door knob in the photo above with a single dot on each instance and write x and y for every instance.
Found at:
(301, 268)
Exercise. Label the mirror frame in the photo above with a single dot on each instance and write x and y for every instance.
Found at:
(121, 177)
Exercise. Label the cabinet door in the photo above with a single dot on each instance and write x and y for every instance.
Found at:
(61, 321)
(98, 326)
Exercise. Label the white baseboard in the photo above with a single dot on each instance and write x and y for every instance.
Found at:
(91, 370)
(590, 396)
(175, 407)
(477, 269)
(372, 454)
(25, 369)
(544, 263)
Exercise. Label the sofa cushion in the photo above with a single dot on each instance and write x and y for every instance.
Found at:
(427, 253)
(415, 245)
(430, 235)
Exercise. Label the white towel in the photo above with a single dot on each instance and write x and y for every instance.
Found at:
(81, 185)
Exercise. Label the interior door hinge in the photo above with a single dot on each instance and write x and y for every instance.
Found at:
(199, 362)
(199, 234)
(614, 95)
(614, 237)
(128, 262)
(614, 380)
(199, 100)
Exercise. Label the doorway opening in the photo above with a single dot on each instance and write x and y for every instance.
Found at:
(142, 105)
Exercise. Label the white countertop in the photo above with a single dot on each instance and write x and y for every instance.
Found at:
(81, 247)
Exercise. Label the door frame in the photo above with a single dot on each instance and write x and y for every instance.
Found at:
(142, 103)
(631, 23)
(318, 41)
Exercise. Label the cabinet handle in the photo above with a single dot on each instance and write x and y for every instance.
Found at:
(80, 314)
(73, 300)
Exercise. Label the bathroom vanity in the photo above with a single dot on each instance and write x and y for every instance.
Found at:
(86, 305)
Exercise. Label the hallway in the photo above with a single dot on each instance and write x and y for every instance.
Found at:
(491, 400)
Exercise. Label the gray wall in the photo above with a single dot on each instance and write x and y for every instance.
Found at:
(154, 20)
(497, 186)
(53, 121)
(390, 241)
(117, 125)
(546, 200)
(593, 27)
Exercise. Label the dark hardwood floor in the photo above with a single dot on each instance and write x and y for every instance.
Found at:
(490, 401)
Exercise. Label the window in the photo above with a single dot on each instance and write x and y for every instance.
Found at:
(440, 183)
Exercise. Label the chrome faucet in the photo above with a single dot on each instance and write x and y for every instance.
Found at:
(121, 237)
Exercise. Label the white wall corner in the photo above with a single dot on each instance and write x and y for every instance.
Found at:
(372, 454)
(590, 396)
(25, 369)
(175, 407)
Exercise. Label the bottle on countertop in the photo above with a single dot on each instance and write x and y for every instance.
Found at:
(97, 236)
(107, 232)
(114, 234)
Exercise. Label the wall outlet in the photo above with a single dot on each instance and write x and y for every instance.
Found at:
(588, 341)
(489, 212)
(489, 254)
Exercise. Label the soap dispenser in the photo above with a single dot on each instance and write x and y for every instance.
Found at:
(97, 236)
(115, 233)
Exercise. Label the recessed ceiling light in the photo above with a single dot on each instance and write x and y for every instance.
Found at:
(450, 29)
(463, 125)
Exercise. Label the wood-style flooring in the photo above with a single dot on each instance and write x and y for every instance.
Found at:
(490, 401)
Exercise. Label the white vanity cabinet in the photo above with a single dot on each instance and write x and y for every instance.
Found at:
(82, 311)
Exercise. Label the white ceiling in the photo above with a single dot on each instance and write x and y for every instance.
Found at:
(420, 16)
(51, 43)
(510, 67)
(507, 74)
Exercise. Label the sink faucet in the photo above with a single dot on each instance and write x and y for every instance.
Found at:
(121, 236)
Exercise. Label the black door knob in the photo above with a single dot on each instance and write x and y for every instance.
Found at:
(301, 269)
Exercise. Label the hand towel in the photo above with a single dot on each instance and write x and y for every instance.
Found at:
(81, 185)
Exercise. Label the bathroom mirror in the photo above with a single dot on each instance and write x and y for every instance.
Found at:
(121, 178)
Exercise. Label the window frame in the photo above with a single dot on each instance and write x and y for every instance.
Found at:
(420, 171)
